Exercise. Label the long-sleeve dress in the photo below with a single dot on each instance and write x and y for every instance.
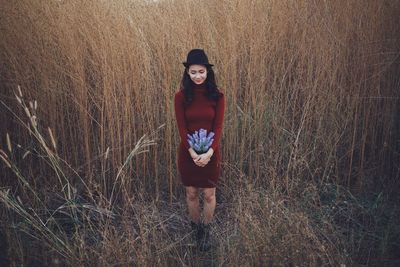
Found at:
(200, 113)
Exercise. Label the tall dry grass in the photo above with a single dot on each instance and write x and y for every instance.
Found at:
(312, 112)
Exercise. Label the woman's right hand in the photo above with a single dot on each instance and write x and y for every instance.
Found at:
(193, 154)
(202, 159)
(196, 157)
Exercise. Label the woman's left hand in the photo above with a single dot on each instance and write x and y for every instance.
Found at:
(205, 158)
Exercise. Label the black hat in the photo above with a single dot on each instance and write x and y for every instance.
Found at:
(197, 56)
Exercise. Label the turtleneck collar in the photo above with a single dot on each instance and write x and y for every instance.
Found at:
(199, 86)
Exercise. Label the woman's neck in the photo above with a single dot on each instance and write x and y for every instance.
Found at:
(199, 86)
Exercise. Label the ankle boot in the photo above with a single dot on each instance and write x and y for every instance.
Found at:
(204, 244)
(197, 231)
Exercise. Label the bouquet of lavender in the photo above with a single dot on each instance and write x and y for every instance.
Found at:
(200, 141)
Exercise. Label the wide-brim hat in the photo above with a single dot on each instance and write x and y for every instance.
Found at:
(198, 57)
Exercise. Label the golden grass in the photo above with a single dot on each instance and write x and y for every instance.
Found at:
(312, 99)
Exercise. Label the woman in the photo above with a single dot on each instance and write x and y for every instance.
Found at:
(199, 104)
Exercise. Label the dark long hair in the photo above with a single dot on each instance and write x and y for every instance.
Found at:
(212, 91)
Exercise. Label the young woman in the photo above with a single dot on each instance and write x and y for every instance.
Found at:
(199, 104)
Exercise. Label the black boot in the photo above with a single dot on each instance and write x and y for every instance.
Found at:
(204, 244)
(197, 231)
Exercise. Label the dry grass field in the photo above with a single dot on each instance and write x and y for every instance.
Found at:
(311, 141)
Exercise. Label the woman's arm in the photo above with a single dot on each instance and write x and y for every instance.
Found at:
(180, 118)
(218, 121)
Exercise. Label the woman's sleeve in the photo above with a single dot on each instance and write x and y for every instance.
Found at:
(180, 118)
(218, 121)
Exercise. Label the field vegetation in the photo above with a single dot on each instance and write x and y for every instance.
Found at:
(310, 145)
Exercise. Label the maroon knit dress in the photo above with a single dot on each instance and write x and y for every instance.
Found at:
(200, 113)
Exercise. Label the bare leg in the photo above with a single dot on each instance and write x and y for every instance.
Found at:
(209, 204)
(192, 200)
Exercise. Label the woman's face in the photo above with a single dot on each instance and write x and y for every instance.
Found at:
(198, 73)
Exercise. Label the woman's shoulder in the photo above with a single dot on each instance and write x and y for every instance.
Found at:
(220, 92)
(179, 93)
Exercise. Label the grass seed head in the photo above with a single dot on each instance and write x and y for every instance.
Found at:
(8, 142)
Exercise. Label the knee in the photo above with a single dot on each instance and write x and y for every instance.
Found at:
(209, 197)
(192, 195)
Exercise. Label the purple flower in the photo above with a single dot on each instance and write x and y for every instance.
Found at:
(200, 141)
